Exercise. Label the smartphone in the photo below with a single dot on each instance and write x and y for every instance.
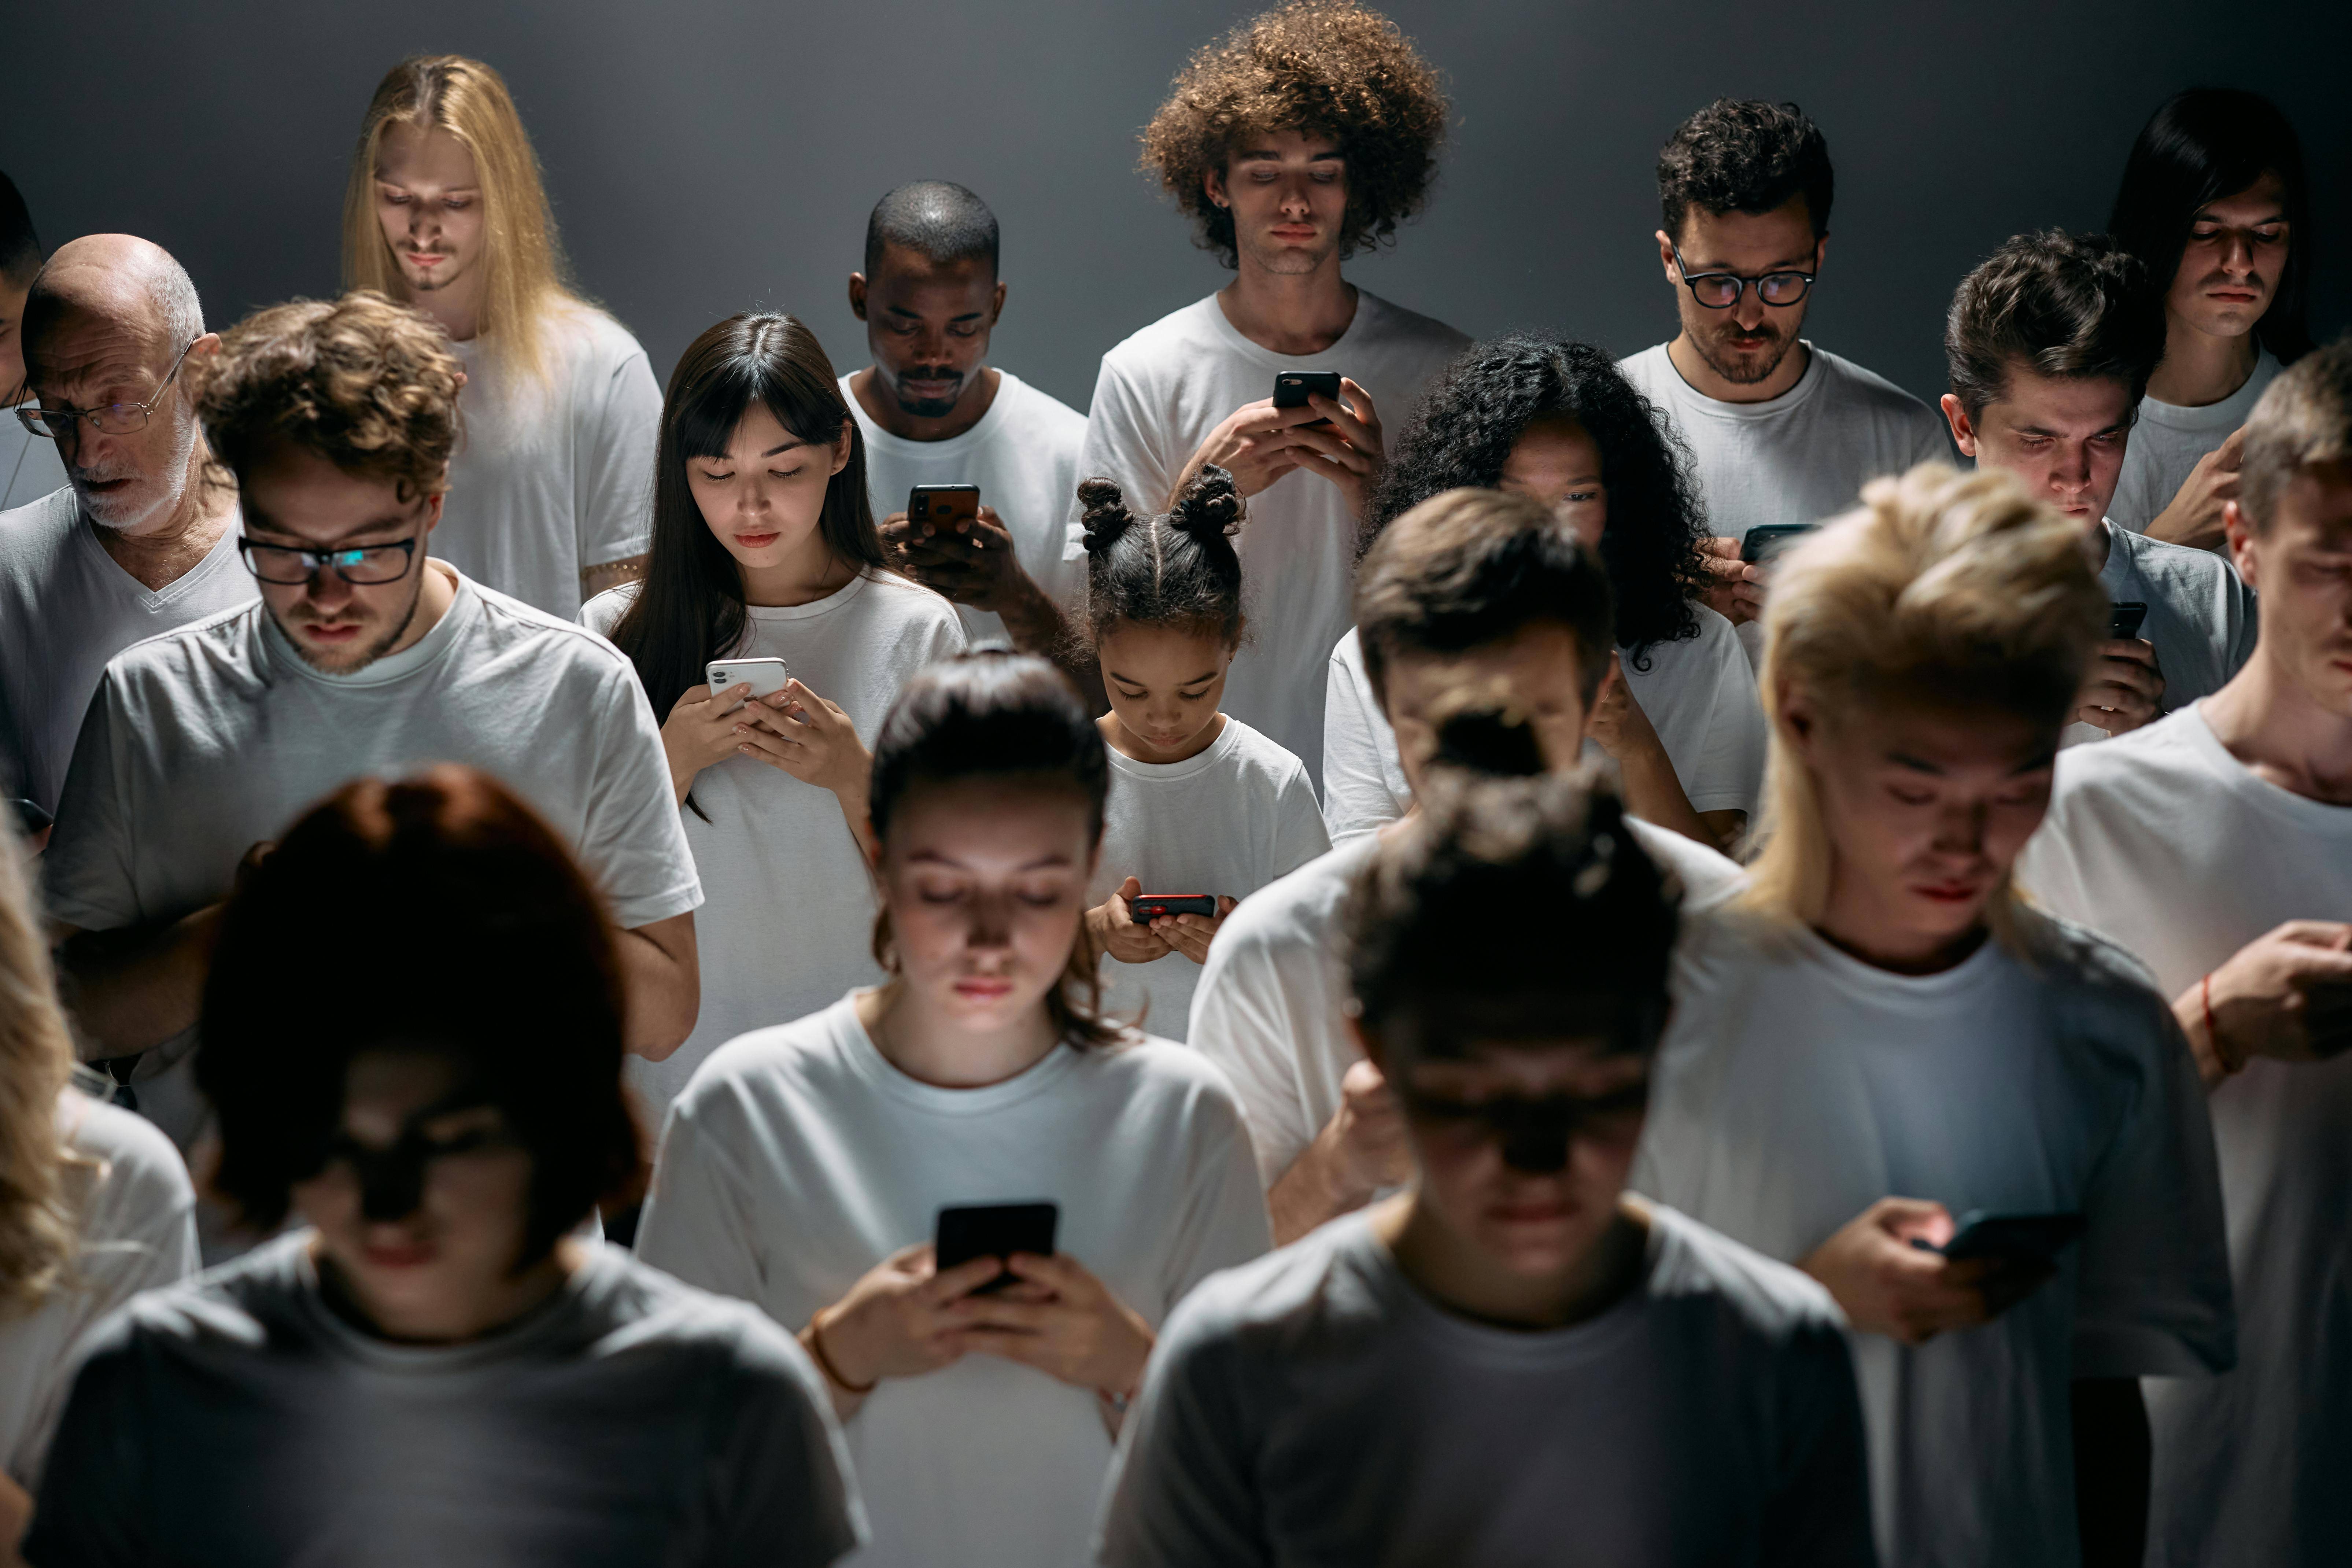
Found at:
(30, 817)
(2124, 619)
(993, 1230)
(1291, 388)
(1144, 908)
(1487, 740)
(1766, 541)
(942, 506)
(2039, 1237)
(766, 675)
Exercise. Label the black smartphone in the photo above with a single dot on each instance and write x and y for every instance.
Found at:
(2124, 618)
(993, 1230)
(1292, 387)
(2038, 1236)
(942, 506)
(1487, 740)
(1765, 540)
(1144, 908)
(30, 817)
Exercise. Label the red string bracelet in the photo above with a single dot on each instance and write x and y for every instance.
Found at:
(2221, 1051)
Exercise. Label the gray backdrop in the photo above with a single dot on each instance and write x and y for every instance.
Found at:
(710, 155)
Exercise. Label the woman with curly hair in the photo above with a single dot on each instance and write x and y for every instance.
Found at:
(1555, 419)
(1305, 135)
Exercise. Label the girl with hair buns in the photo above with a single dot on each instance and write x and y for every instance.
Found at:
(1199, 801)
(1877, 1037)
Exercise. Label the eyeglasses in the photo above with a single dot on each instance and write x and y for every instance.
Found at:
(364, 566)
(114, 419)
(1721, 290)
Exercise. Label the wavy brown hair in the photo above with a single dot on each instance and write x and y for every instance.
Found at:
(36, 1057)
(1325, 66)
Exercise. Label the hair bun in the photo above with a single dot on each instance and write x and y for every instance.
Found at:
(1106, 515)
(1211, 504)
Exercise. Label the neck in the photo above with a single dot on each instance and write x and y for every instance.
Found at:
(810, 573)
(979, 395)
(1854, 921)
(1289, 314)
(504, 1301)
(913, 1038)
(1692, 367)
(1134, 747)
(2269, 721)
(161, 550)
(437, 592)
(2199, 368)
(457, 308)
(1466, 1279)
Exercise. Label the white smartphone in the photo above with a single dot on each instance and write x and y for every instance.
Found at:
(766, 675)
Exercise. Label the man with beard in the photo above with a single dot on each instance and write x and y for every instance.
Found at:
(935, 412)
(138, 542)
(337, 420)
(1784, 432)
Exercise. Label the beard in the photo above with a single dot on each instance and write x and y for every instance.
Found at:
(1744, 358)
(149, 496)
(355, 660)
(1286, 260)
(928, 407)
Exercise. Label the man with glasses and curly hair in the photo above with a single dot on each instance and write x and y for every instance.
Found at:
(337, 420)
(1784, 432)
(1305, 135)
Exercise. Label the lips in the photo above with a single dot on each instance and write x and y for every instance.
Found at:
(982, 988)
(340, 632)
(428, 258)
(410, 1256)
(1948, 892)
(757, 541)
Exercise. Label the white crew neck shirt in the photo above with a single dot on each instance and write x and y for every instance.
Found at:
(631, 1422)
(787, 923)
(2167, 439)
(1316, 1407)
(30, 465)
(1023, 455)
(1699, 694)
(1160, 394)
(799, 1158)
(1270, 1008)
(65, 609)
(2164, 841)
(206, 741)
(1797, 1086)
(2201, 616)
(134, 1229)
(553, 478)
(1229, 821)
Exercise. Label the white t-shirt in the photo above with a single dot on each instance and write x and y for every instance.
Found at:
(1161, 393)
(1270, 1008)
(1315, 1406)
(1798, 1085)
(2167, 440)
(1804, 455)
(799, 1158)
(1699, 696)
(65, 609)
(2164, 841)
(1228, 821)
(1023, 455)
(206, 741)
(30, 465)
(787, 920)
(631, 1422)
(134, 1229)
(553, 478)
(2201, 616)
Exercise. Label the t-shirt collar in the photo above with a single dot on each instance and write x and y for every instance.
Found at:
(1008, 390)
(425, 652)
(1808, 384)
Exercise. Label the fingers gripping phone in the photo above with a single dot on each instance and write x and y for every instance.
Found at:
(993, 1230)
(1292, 387)
(1144, 908)
(944, 506)
(1764, 541)
(2124, 619)
(2038, 1237)
(767, 676)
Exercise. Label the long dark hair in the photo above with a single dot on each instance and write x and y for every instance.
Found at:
(2204, 145)
(1180, 570)
(1462, 432)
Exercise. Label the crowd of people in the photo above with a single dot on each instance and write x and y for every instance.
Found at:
(1381, 949)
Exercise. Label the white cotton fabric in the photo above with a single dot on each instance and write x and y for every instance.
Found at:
(787, 920)
(1270, 1008)
(1160, 394)
(1023, 455)
(134, 1229)
(65, 609)
(631, 1422)
(1228, 821)
(552, 478)
(2165, 842)
(1316, 1407)
(2201, 616)
(1798, 1085)
(204, 741)
(1699, 696)
(2167, 439)
(30, 465)
(799, 1158)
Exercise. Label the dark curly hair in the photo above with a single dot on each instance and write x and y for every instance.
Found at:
(1328, 66)
(1468, 419)
(1743, 155)
(1180, 569)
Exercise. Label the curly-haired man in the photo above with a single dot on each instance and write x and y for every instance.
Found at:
(361, 657)
(1303, 136)
(1784, 432)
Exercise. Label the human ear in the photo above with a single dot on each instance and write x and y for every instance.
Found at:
(857, 295)
(1800, 721)
(840, 449)
(2245, 553)
(1964, 432)
(996, 304)
(1213, 183)
(1666, 255)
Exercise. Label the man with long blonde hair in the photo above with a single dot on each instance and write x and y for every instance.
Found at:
(550, 494)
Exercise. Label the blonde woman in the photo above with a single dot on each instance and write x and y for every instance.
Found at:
(1874, 1037)
(549, 495)
(94, 1205)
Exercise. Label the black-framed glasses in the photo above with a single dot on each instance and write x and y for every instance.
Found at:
(114, 419)
(363, 566)
(1721, 290)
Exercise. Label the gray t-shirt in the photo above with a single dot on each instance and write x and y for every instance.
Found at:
(2201, 614)
(30, 465)
(633, 1420)
(1315, 1407)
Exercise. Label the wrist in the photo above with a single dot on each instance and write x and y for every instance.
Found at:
(838, 1354)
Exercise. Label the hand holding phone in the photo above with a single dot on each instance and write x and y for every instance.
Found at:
(1144, 908)
(971, 1231)
(2124, 619)
(1761, 544)
(2034, 1238)
(766, 677)
(937, 512)
(1292, 388)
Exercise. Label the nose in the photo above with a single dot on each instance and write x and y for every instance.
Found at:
(1749, 311)
(991, 923)
(2238, 255)
(1296, 201)
(1960, 830)
(2070, 470)
(328, 591)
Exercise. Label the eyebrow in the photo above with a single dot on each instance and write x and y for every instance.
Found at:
(933, 857)
(341, 541)
(1196, 680)
(2033, 763)
(2124, 423)
(1785, 264)
(915, 316)
(1268, 155)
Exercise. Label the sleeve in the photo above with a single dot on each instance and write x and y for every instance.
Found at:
(698, 1222)
(1358, 754)
(633, 841)
(1182, 1492)
(1240, 1021)
(87, 878)
(1122, 444)
(1818, 1512)
(615, 459)
(1224, 1220)
(94, 1496)
(781, 1489)
(1298, 832)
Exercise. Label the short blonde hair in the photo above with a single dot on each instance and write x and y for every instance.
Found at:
(1946, 588)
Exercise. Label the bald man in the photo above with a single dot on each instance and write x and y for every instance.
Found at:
(138, 543)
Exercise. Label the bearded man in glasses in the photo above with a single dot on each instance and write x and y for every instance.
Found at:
(1784, 432)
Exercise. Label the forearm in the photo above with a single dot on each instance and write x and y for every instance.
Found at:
(847, 1401)
(1032, 620)
(857, 811)
(2111, 1471)
(1318, 1186)
(133, 989)
(662, 984)
(1654, 793)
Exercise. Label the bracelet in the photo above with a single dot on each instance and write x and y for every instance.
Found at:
(824, 1362)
